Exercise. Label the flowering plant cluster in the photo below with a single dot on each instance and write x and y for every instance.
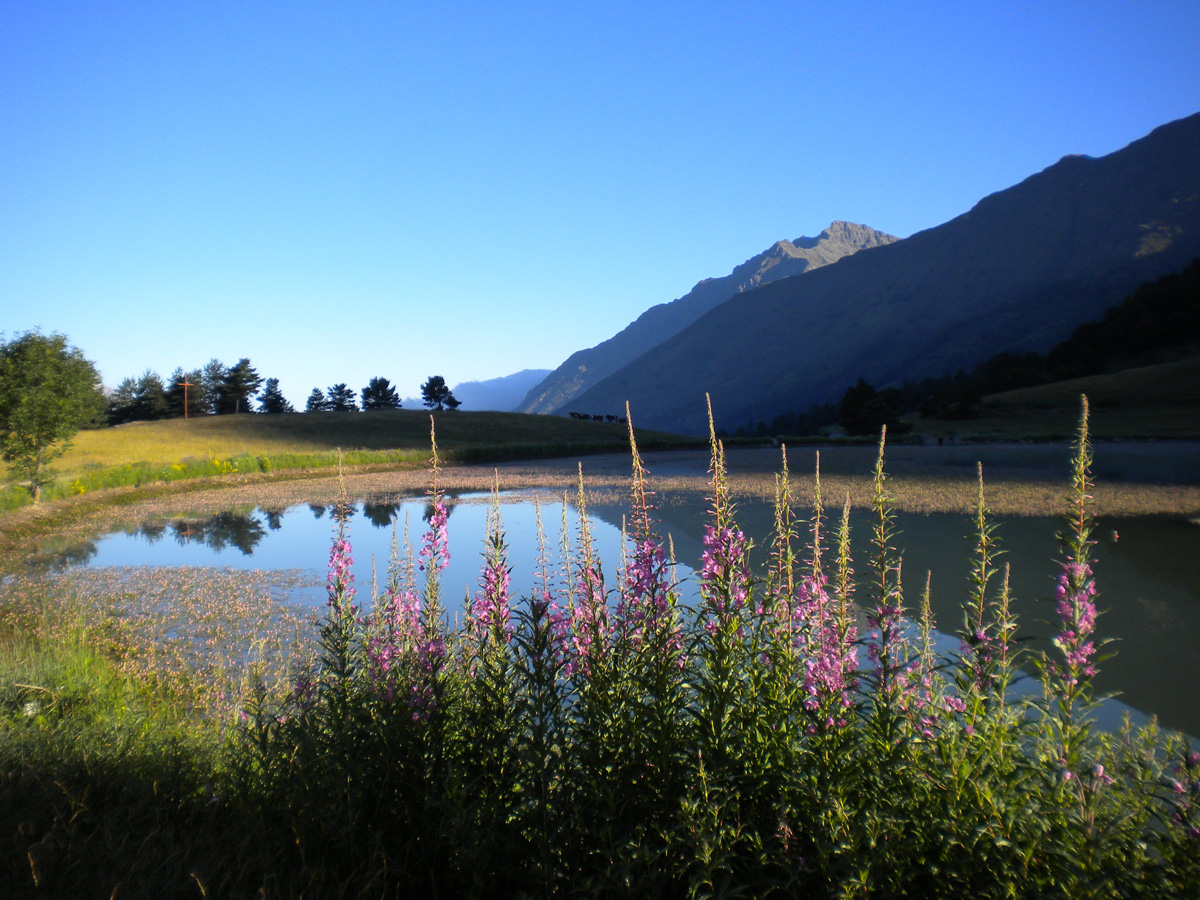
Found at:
(777, 738)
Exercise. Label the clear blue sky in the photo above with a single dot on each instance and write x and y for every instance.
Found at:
(343, 190)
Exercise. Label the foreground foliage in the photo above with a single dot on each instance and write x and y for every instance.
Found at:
(792, 732)
(616, 742)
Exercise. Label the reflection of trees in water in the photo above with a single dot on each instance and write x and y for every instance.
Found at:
(227, 529)
(274, 518)
(318, 510)
(56, 560)
(380, 514)
(152, 531)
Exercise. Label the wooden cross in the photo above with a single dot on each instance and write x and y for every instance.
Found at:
(186, 384)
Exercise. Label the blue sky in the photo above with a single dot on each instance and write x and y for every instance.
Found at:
(344, 190)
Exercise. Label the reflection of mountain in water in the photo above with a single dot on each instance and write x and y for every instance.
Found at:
(227, 529)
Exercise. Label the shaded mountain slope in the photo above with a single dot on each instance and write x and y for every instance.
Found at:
(785, 258)
(1017, 273)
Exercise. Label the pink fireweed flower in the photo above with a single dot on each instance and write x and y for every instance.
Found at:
(435, 550)
(395, 633)
(340, 579)
(830, 657)
(1075, 595)
(645, 608)
(589, 622)
(724, 571)
(490, 615)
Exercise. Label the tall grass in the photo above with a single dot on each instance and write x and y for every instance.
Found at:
(606, 740)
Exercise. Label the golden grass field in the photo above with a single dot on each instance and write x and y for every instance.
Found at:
(222, 437)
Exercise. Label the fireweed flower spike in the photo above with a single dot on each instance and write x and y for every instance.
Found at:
(980, 641)
(490, 616)
(647, 597)
(724, 571)
(886, 646)
(589, 608)
(1075, 591)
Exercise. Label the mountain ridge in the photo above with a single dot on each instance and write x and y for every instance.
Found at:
(658, 323)
(1018, 271)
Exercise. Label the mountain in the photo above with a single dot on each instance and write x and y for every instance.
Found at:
(495, 394)
(499, 394)
(1016, 273)
(588, 367)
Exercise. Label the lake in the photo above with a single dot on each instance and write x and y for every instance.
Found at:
(1147, 569)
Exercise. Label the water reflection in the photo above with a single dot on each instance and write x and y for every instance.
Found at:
(1148, 568)
(241, 531)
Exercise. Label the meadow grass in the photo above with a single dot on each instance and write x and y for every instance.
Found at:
(791, 734)
(141, 453)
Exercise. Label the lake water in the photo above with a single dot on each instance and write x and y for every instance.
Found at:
(1147, 570)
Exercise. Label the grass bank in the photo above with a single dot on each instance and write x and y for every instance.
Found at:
(141, 453)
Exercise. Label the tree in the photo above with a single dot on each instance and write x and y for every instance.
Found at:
(379, 394)
(48, 389)
(151, 398)
(213, 377)
(316, 402)
(341, 399)
(436, 395)
(272, 400)
(195, 394)
(238, 387)
(141, 399)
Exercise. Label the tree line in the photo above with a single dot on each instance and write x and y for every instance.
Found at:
(1157, 322)
(217, 389)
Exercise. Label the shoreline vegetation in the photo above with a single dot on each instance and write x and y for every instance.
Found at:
(415, 760)
(605, 740)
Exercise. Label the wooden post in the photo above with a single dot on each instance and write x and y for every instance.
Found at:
(186, 384)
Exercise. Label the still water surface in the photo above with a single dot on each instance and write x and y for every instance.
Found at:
(1148, 569)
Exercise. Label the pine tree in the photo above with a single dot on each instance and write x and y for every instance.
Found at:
(316, 402)
(379, 394)
(238, 388)
(436, 395)
(272, 400)
(341, 399)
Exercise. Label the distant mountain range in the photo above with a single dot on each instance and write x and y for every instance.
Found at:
(499, 394)
(495, 394)
(588, 368)
(1016, 273)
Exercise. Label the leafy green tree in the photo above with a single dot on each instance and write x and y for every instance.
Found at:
(238, 388)
(436, 395)
(48, 389)
(341, 399)
(272, 400)
(379, 394)
(316, 402)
